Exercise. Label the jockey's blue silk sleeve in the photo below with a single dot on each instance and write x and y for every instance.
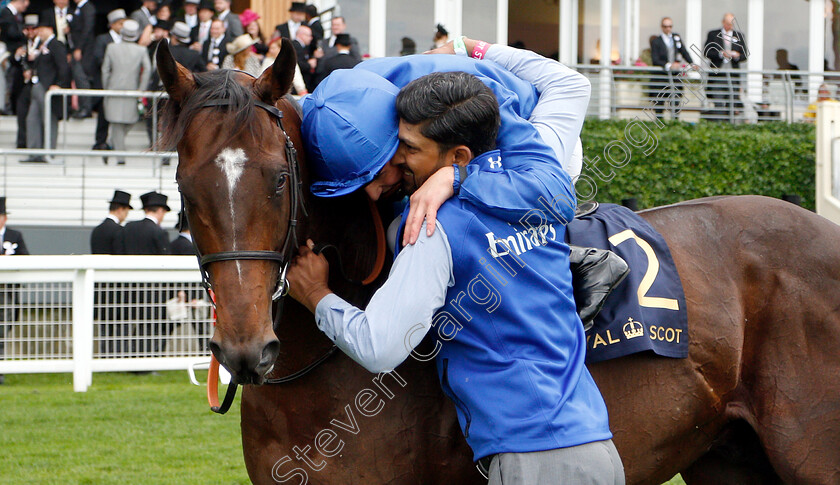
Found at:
(400, 313)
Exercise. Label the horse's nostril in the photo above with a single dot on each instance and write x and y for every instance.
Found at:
(216, 349)
(269, 353)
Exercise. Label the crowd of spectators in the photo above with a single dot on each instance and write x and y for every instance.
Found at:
(60, 48)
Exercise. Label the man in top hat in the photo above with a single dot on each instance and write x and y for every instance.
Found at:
(11, 242)
(214, 49)
(115, 23)
(201, 32)
(145, 15)
(233, 24)
(146, 236)
(338, 26)
(297, 15)
(179, 41)
(52, 71)
(11, 33)
(61, 17)
(106, 238)
(82, 45)
(24, 60)
(183, 245)
(341, 60)
(190, 16)
(313, 20)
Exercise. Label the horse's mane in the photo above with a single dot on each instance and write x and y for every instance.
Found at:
(211, 85)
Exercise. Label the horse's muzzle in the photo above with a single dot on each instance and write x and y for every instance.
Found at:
(247, 364)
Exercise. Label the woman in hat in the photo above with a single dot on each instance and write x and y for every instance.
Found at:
(126, 66)
(252, 27)
(241, 57)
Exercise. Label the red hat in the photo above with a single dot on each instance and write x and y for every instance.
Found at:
(248, 16)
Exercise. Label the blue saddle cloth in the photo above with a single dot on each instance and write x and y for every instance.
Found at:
(647, 310)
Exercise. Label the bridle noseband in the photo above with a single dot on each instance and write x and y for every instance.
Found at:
(296, 195)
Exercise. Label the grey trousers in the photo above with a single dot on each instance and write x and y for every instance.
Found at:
(35, 120)
(118, 134)
(595, 463)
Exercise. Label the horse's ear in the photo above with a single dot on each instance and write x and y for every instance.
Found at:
(274, 83)
(177, 79)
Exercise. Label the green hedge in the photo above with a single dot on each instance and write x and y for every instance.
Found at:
(688, 161)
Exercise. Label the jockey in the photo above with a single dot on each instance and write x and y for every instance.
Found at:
(489, 280)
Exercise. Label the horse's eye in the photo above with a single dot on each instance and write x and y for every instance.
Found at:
(281, 185)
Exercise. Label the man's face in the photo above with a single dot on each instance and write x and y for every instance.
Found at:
(727, 22)
(205, 14)
(160, 33)
(61, 3)
(158, 214)
(30, 32)
(667, 26)
(296, 16)
(418, 157)
(44, 32)
(221, 5)
(151, 5)
(387, 181)
(122, 213)
(217, 29)
(117, 26)
(190, 8)
(337, 26)
(304, 35)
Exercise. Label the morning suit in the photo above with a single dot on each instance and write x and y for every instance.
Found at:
(207, 52)
(147, 237)
(107, 238)
(82, 38)
(11, 33)
(51, 69)
(100, 44)
(9, 307)
(283, 30)
(233, 25)
(126, 66)
(188, 58)
(195, 33)
(664, 53)
(182, 246)
(143, 17)
(302, 52)
(724, 86)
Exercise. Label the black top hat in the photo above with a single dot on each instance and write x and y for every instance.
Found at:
(164, 24)
(44, 19)
(206, 5)
(122, 198)
(441, 30)
(409, 47)
(3, 206)
(298, 7)
(343, 39)
(312, 10)
(154, 199)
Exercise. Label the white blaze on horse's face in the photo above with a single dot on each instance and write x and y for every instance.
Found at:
(232, 163)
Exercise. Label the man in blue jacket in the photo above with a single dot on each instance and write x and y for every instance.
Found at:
(489, 281)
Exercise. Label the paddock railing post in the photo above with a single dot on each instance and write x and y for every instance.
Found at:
(83, 329)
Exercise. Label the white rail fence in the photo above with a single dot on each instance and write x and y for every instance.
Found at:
(97, 313)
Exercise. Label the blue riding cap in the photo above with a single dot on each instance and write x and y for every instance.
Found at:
(350, 130)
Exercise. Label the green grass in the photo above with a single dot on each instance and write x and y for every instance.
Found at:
(138, 429)
(125, 429)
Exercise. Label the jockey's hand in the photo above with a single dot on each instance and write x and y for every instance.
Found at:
(449, 47)
(308, 276)
(426, 201)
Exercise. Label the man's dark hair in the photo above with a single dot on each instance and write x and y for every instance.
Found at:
(115, 205)
(454, 108)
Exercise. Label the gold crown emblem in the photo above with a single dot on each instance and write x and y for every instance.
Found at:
(633, 329)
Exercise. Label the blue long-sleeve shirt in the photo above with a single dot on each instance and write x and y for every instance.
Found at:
(422, 273)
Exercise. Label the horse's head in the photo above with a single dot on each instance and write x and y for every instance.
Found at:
(238, 178)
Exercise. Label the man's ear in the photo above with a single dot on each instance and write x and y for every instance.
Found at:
(461, 155)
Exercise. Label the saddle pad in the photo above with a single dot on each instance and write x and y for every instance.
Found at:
(647, 310)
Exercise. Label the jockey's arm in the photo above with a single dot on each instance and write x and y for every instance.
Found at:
(398, 316)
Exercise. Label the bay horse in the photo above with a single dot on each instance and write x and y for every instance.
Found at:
(756, 401)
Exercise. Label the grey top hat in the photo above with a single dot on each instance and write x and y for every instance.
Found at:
(130, 30)
(181, 31)
(115, 15)
(30, 20)
(122, 198)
